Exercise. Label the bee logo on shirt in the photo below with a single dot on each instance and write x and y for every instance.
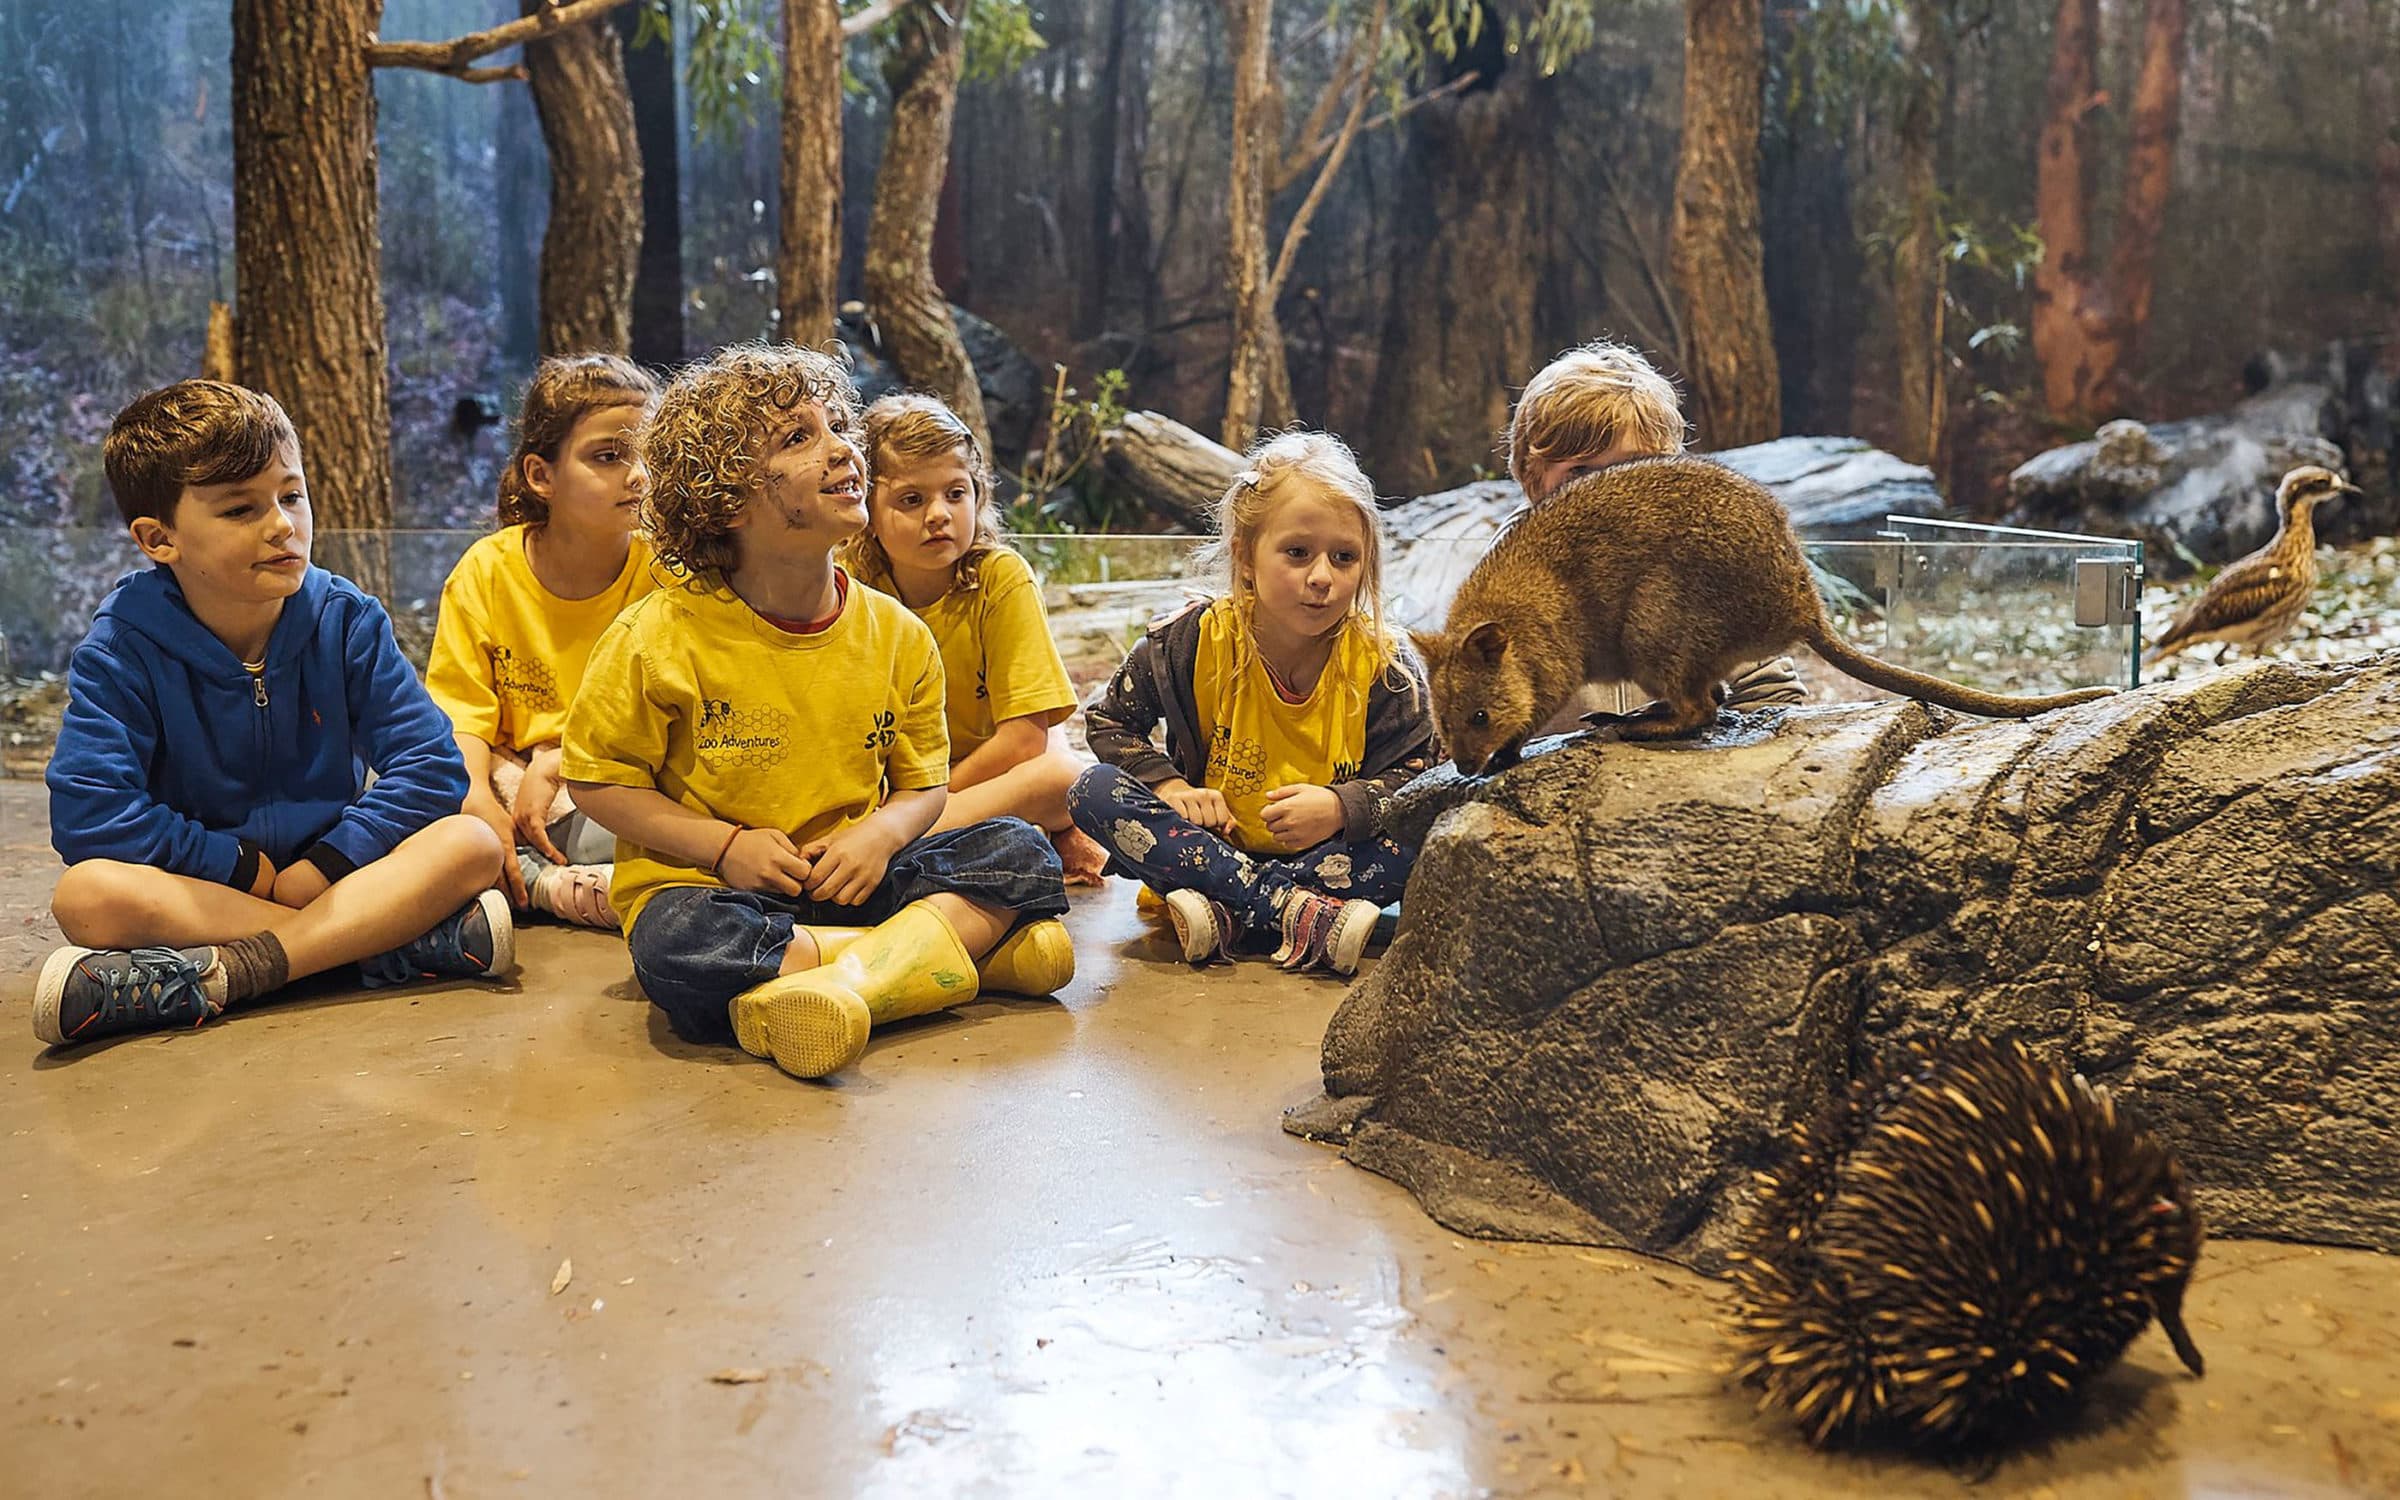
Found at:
(881, 736)
(523, 683)
(747, 737)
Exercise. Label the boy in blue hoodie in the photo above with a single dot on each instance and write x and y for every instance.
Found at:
(209, 788)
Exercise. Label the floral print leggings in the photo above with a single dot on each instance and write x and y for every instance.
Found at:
(1150, 841)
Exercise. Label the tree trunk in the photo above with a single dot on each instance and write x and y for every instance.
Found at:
(2149, 180)
(650, 78)
(1917, 280)
(519, 163)
(908, 308)
(1258, 390)
(307, 272)
(1815, 268)
(1714, 250)
(593, 247)
(1091, 307)
(2067, 318)
(1459, 336)
(808, 272)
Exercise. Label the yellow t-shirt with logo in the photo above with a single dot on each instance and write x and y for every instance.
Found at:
(692, 694)
(507, 653)
(997, 654)
(1256, 740)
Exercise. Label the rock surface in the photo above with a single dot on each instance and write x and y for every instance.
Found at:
(1626, 968)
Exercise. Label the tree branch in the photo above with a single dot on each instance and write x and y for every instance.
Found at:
(1299, 160)
(455, 56)
(873, 16)
(1297, 230)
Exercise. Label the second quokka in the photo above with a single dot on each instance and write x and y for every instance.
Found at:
(1666, 572)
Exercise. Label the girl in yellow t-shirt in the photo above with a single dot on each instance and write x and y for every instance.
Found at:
(520, 613)
(1291, 714)
(933, 542)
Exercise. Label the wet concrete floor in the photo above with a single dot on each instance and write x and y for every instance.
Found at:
(1032, 1248)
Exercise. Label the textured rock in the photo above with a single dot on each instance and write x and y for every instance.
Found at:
(1626, 968)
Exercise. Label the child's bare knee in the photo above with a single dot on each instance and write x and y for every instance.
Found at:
(92, 901)
(461, 853)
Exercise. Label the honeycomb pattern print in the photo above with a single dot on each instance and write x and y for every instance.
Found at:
(524, 683)
(1235, 766)
(749, 738)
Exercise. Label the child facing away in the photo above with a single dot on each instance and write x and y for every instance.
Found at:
(1291, 713)
(933, 542)
(1593, 406)
(766, 741)
(209, 791)
(520, 613)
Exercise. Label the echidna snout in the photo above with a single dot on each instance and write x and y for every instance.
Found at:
(1957, 1248)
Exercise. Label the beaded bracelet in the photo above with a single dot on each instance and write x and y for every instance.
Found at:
(718, 863)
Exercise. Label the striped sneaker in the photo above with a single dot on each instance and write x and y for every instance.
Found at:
(1204, 927)
(1325, 932)
(85, 994)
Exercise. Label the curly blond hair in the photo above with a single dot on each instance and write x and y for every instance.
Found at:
(907, 425)
(708, 435)
(1271, 470)
(1589, 400)
(564, 389)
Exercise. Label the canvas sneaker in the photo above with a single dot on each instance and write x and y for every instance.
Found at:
(1325, 932)
(84, 994)
(478, 941)
(1204, 927)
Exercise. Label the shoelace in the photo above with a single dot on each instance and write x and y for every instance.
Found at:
(152, 980)
(434, 954)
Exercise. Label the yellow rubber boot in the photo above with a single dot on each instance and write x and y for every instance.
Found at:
(816, 1022)
(832, 942)
(1036, 959)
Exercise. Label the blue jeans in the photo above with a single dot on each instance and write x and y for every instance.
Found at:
(696, 947)
(1151, 842)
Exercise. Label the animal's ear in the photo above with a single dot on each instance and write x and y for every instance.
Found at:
(1486, 643)
(1431, 647)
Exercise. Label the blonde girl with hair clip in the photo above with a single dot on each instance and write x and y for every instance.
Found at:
(933, 542)
(521, 611)
(1291, 713)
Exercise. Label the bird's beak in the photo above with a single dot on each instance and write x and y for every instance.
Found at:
(2348, 488)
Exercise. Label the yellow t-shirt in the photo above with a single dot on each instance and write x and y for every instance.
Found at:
(691, 694)
(1256, 740)
(507, 653)
(997, 654)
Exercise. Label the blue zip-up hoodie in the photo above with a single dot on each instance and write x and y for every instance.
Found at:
(172, 756)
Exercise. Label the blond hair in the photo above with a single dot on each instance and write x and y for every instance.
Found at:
(193, 432)
(907, 425)
(564, 390)
(705, 441)
(1592, 399)
(1273, 469)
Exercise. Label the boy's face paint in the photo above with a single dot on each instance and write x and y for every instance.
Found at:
(1307, 563)
(811, 485)
(598, 480)
(924, 512)
(245, 542)
(1550, 475)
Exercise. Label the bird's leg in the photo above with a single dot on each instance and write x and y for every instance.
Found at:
(2221, 650)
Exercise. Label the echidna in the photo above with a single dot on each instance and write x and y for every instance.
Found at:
(1965, 1240)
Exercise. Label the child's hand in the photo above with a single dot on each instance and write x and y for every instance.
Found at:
(534, 795)
(1302, 817)
(849, 865)
(482, 804)
(763, 859)
(1204, 805)
(299, 884)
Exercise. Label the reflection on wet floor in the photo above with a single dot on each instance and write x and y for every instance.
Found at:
(1031, 1248)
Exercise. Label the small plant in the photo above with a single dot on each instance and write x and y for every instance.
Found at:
(1056, 492)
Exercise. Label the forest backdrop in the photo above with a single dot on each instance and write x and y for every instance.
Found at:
(1963, 229)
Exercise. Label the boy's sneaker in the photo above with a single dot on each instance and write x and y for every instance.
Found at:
(478, 941)
(1322, 931)
(88, 993)
(1204, 927)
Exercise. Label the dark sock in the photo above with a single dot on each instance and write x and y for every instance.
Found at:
(254, 966)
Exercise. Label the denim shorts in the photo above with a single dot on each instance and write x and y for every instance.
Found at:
(696, 947)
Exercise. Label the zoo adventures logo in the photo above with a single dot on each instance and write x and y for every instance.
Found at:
(751, 737)
(523, 683)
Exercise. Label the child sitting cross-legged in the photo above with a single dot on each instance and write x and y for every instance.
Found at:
(766, 741)
(209, 790)
(1290, 713)
(933, 542)
(519, 615)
